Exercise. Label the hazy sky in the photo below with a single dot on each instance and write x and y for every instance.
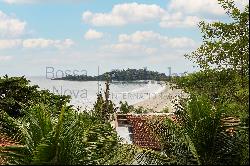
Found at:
(114, 34)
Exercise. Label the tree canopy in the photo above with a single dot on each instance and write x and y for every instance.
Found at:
(225, 45)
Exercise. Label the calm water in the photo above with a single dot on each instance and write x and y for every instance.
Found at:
(83, 94)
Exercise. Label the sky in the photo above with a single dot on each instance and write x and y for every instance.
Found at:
(115, 34)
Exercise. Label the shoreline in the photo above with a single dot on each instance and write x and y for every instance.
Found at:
(163, 100)
(151, 97)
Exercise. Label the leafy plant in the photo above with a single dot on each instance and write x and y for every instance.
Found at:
(104, 108)
(72, 138)
(16, 95)
(125, 108)
(219, 90)
(225, 45)
(199, 137)
(142, 110)
(165, 110)
(222, 87)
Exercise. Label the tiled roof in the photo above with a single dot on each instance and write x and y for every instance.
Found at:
(143, 136)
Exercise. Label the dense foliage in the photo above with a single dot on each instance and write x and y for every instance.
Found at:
(120, 75)
(224, 60)
(225, 45)
(104, 108)
(16, 95)
(211, 125)
(70, 138)
(200, 137)
(215, 118)
(222, 87)
(125, 108)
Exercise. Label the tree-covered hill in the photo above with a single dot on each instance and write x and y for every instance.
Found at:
(120, 75)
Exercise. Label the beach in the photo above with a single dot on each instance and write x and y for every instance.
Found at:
(84, 93)
(153, 95)
(163, 100)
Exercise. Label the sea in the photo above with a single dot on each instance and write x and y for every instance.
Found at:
(84, 93)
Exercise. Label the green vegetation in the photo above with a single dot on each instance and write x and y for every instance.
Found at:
(125, 109)
(121, 75)
(222, 87)
(214, 121)
(16, 95)
(224, 60)
(104, 108)
(225, 45)
(70, 138)
(165, 110)
(60, 135)
(211, 126)
(200, 137)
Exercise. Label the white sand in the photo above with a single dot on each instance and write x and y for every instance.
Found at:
(164, 99)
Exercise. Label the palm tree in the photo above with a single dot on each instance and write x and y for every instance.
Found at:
(70, 138)
(201, 135)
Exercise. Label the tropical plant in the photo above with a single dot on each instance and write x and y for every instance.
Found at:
(142, 110)
(133, 155)
(125, 108)
(203, 133)
(219, 91)
(16, 95)
(165, 110)
(225, 45)
(199, 136)
(222, 87)
(104, 108)
(72, 138)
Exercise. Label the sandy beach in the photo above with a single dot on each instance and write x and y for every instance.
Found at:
(162, 100)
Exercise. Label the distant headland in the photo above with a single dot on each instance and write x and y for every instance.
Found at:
(128, 75)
